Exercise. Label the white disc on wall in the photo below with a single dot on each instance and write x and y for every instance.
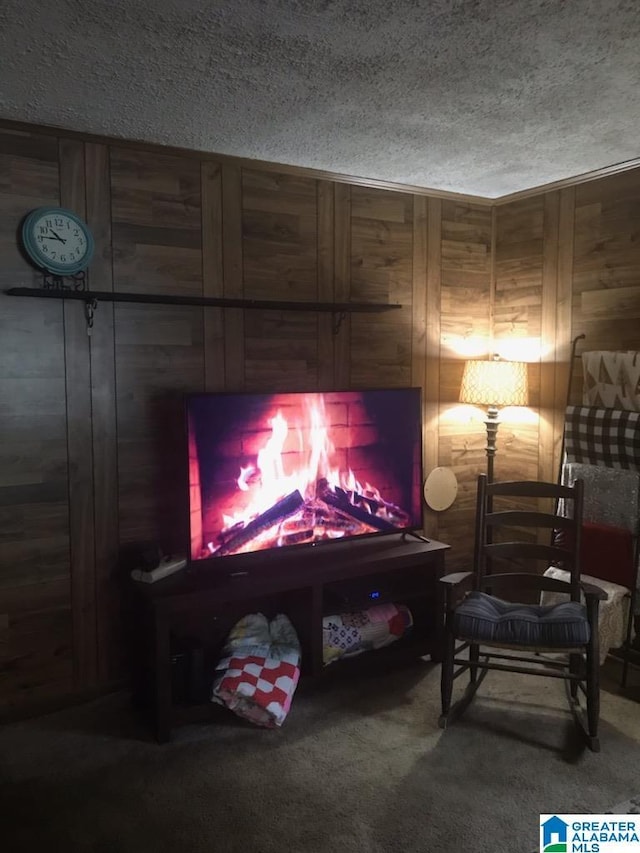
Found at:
(440, 489)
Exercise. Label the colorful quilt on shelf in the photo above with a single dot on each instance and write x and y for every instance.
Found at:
(259, 670)
(349, 634)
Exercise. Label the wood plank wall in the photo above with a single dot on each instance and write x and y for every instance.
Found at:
(36, 619)
(91, 433)
(568, 264)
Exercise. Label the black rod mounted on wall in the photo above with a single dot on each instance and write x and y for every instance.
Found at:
(212, 301)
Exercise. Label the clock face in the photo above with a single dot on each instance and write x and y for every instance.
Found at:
(57, 240)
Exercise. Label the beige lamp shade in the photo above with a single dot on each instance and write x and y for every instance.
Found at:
(494, 383)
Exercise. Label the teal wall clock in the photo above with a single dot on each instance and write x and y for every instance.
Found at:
(57, 240)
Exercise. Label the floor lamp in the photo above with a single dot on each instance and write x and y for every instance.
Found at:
(494, 383)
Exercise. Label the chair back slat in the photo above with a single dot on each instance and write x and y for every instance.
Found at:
(529, 551)
(522, 518)
(528, 489)
(516, 535)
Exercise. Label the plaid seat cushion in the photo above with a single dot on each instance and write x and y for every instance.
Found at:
(486, 619)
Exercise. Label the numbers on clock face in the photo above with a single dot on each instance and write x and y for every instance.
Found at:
(57, 240)
(60, 239)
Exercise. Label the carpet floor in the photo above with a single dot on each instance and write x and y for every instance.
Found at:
(360, 766)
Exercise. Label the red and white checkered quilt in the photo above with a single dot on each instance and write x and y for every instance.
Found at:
(259, 671)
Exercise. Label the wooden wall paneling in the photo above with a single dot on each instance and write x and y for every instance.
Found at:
(342, 283)
(234, 363)
(36, 630)
(547, 468)
(599, 305)
(326, 288)
(280, 261)
(519, 450)
(466, 279)
(520, 259)
(159, 358)
(433, 331)
(493, 277)
(77, 358)
(606, 268)
(157, 247)
(419, 314)
(465, 303)
(461, 448)
(599, 334)
(212, 275)
(281, 350)
(279, 236)
(564, 321)
(381, 271)
(419, 294)
(103, 418)
(157, 223)
(27, 180)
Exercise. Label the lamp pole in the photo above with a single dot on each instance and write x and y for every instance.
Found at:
(491, 424)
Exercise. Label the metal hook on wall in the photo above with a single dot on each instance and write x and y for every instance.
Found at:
(338, 317)
(90, 306)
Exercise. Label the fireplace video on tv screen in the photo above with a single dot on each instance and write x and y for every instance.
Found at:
(274, 470)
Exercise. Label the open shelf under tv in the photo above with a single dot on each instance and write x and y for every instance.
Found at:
(301, 585)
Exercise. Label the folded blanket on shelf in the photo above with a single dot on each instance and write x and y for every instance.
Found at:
(598, 436)
(350, 634)
(259, 670)
(613, 611)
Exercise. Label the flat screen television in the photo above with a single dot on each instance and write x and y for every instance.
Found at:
(283, 470)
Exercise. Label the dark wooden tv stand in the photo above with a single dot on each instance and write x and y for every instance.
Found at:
(306, 584)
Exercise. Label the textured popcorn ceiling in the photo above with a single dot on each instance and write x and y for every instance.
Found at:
(477, 96)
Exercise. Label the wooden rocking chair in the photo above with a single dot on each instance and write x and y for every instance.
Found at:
(486, 610)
